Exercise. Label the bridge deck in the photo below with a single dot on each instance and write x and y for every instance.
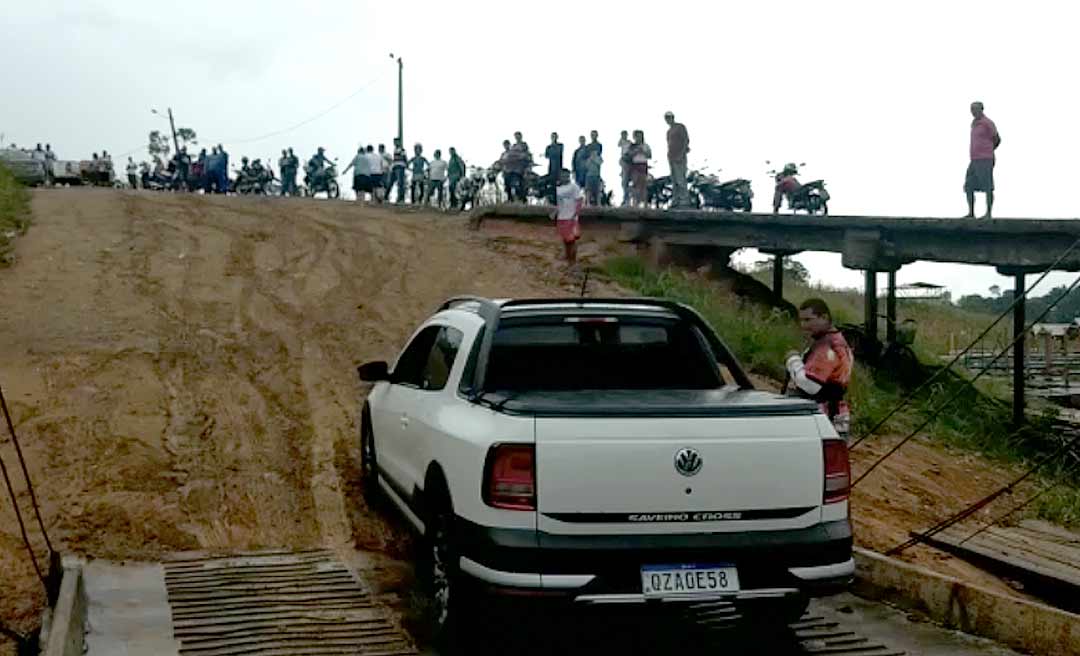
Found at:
(866, 242)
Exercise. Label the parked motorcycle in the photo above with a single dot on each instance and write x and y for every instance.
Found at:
(469, 187)
(811, 197)
(730, 196)
(256, 180)
(659, 191)
(540, 187)
(322, 181)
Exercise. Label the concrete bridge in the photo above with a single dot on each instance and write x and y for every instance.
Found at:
(1014, 247)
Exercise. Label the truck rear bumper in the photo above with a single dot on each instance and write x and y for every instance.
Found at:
(814, 561)
(813, 581)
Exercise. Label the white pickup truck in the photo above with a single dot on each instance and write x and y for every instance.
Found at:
(603, 451)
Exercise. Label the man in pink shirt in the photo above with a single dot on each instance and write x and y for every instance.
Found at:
(980, 173)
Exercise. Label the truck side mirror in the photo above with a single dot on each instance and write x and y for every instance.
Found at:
(373, 372)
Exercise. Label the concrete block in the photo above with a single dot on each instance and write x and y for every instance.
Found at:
(1022, 625)
(67, 624)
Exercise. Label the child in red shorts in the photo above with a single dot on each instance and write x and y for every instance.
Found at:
(568, 201)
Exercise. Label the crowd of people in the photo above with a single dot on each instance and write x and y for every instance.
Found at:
(380, 175)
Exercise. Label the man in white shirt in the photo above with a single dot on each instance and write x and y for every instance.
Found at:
(376, 170)
(132, 173)
(568, 203)
(437, 171)
(361, 167)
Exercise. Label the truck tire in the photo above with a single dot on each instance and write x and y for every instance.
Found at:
(451, 596)
(369, 463)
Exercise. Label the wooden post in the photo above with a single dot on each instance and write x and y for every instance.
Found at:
(871, 305)
(778, 275)
(1019, 350)
(1048, 350)
(890, 310)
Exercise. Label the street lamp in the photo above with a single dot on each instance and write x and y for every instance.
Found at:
(400, 113)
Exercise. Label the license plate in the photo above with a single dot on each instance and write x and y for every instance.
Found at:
(688, 580)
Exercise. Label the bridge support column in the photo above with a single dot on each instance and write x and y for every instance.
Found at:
(1019, 351)
(871, 305)
(778, 275)
(778, 270)
(890, 310)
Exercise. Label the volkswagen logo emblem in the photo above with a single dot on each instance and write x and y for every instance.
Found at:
(688, 462)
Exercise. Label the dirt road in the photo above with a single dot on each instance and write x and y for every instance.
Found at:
(181, 369)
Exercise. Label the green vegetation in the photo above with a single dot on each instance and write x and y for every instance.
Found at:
(942, 326)
(14, 211)
(978, 420)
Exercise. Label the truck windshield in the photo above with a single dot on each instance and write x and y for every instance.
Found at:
(600, 353)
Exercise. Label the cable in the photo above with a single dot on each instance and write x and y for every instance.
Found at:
(907, 399)
(309, 120)
(1018, 507)
(962, 389)
(22, 526)
(26, 474)
(981, 503)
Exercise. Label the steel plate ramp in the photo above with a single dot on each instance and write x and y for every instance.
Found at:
(276, 603)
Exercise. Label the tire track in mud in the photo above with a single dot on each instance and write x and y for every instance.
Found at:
(210, 429)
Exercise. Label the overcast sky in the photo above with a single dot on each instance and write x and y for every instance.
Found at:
(873, 96)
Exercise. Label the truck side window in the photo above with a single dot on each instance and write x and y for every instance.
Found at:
(440, 359)
(412, 361)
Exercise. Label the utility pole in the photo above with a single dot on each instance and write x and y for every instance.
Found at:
(172, 126)
(400, 102)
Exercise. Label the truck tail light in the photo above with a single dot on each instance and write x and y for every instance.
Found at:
(510, 477)
(837, 471)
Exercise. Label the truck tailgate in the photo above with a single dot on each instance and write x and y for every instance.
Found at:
(601, 475)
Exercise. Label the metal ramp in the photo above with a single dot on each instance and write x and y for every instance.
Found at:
(276, 603)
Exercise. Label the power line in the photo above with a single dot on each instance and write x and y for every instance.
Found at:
(940, 372)
(22, 525)
(26, 474)
(308, 120)
(1018, 507)
(938, 410)
(981, 503)
(283, 130)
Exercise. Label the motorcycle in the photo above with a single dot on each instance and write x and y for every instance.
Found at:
(469, 188)
(325, 180)
(659, 191)
(540, 187)
(709, 192)
(811, 197)
(254, 181)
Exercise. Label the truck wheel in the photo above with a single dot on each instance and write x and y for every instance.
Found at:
(369, 470)
(450, 596)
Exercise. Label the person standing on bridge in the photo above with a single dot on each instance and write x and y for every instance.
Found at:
(624, 166)
(554, 155)
(980, 173)
(678, 145)
(637, 158)
(823, 372)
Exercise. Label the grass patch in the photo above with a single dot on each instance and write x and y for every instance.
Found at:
(942, 326)
(14, 212)
(978, 420)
